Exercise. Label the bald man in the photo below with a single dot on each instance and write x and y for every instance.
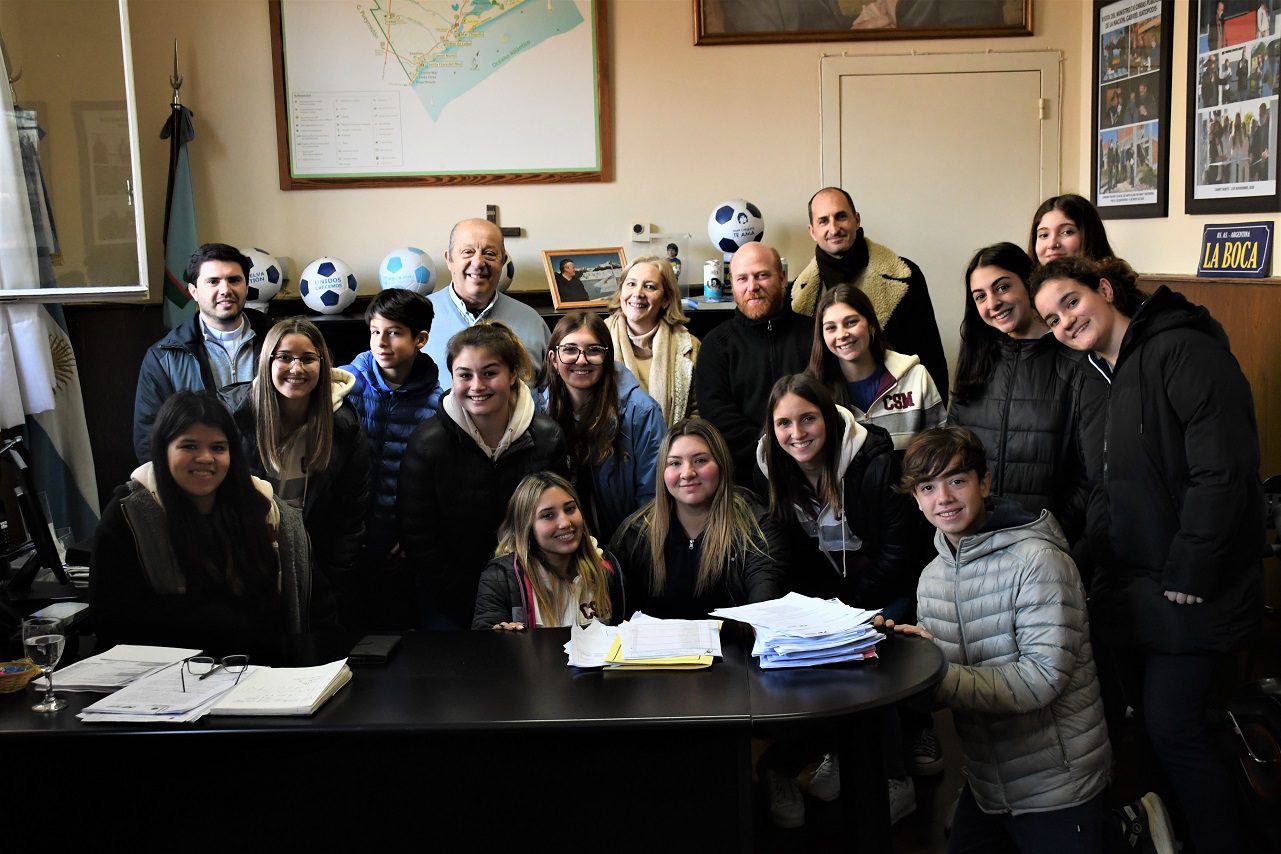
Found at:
(741, 359)
(895, 286)
(475, 259)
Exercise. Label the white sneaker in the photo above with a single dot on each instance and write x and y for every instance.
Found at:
(826, 782)
(786, 806)
(902, 799)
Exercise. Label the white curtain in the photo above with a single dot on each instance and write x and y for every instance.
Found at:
(26, 368)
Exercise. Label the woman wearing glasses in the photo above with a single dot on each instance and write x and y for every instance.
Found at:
(303, 438)
(461, 468)
(612, 426)
(702, 543)
(193, 551)
(647, 331)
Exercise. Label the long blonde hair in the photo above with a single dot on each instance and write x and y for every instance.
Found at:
(731, 525)
(675, 312)
(516, 537)
(318, 431)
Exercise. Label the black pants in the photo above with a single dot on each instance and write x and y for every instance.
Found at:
(1171, 694)
(1071, 830)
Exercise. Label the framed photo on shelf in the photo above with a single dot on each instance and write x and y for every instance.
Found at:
(1131, 96)
(583, 278)
(1232, 106)
(757, 22)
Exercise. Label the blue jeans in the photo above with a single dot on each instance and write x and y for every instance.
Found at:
(1071, 830)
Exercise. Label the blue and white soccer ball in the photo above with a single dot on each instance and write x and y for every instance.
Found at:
(733, 224)
(327, 285)
(410, 268)
(266, 275)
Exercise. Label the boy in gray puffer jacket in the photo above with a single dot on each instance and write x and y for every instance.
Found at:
(1004, 602)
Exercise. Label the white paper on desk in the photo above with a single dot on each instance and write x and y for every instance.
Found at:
(648, 637)
(117, 667)
(284, 690)
(161, 694)
(588, 646)
(803, 616)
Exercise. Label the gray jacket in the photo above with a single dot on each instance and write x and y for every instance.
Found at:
(1008, 611)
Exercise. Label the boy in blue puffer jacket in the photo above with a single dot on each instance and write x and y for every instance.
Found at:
(397, 388)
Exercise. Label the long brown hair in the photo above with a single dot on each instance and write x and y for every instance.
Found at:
(823, 362)
(788, 485)
(731, 525)
(594, 437)
(318, 431)
(516, 537)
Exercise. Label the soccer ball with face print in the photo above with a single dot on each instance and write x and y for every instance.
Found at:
(733, 224)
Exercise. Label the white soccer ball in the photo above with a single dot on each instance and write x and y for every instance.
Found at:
(266, 275)
(408, 267)
(327, 285)
(733, 224)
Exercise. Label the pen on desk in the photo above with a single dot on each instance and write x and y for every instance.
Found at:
(211, 672)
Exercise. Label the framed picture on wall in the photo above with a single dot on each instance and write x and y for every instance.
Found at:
(1232, 106)
(583, 278)
(759, 21)
(1131, 96)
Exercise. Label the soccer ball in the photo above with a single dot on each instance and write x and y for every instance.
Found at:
(327, 285)
(509, 273)
(266, 275)
(733, 224)
(410, 268)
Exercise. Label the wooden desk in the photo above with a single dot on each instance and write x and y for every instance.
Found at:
(465, 738)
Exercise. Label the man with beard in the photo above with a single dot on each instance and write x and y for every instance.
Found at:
(215, 350)
(475, 258)
(742, 358)
(894, 284)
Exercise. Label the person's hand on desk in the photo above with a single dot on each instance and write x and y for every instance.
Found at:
(879, 622)
(509, 627)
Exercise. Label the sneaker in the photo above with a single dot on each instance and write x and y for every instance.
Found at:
(927, 755)
(786, 806)
(1145, 826)
(902, 799)
(826, 782)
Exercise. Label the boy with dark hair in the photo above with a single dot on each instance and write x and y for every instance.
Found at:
(1004, 602)
(397, 388)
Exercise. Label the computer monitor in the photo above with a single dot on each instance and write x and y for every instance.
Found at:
(41, 550)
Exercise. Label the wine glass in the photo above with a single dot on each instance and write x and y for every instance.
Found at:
(44, 638)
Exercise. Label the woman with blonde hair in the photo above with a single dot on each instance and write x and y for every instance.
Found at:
(303, 437)
(547, 570)
(702, 543)
(647, 328)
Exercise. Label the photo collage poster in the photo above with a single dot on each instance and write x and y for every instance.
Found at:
(1130, 100)
(1236, 99)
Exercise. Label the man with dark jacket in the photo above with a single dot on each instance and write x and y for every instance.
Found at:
(741, 359)
(214, 350)
(894, 284)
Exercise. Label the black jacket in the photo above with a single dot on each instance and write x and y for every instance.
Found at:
(505, 587)
(178, 362)
(754, 576)
(452, 498)
(1176, 502)
(334, 504)
(1027, 417)
(897, 541)
(738, 364)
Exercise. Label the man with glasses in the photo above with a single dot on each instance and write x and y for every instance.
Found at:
(475, 258)
(215, 350)
(741, 359)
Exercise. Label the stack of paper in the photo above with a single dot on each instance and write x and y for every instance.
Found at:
(284, 690)
(646, 643)
(117, 667)
(164, 697)
(800, 631)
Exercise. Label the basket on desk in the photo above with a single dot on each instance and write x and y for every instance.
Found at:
(14, 675)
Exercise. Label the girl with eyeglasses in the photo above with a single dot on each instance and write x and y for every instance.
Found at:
(195, 552)
(461, 468)
(547, 570)
(702, 542)
(306, 440)
(612, 426)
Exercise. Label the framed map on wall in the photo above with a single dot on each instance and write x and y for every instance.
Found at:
(440, 92)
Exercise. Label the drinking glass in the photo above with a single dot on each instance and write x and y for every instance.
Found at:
(44, 638)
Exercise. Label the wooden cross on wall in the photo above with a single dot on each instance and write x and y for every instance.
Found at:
(491, 214)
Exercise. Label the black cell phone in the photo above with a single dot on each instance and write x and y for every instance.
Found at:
(375, 648)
